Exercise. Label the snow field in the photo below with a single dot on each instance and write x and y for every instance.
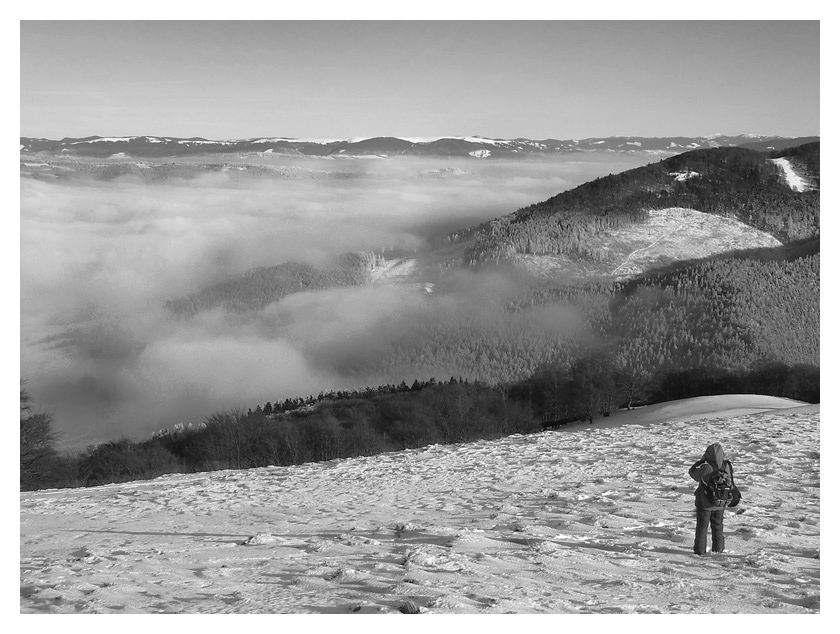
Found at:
(596, 519)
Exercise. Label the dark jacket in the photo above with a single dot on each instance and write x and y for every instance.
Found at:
(702, 471)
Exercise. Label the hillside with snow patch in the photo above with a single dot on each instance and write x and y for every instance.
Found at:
(667, 236)
(794, 180)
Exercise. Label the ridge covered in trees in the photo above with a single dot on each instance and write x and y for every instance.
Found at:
(264, 285)
(728, 311)
(733, 182)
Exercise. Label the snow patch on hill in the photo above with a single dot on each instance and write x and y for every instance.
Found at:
(109, 139)
(794, 180)
(684, 175)
(668, 235)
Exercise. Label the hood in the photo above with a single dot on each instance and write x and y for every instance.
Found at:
(714, 455)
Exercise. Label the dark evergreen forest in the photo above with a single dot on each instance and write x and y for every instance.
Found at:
(730, 312)
(262, 286)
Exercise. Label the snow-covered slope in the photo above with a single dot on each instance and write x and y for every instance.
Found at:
(793, 179)
(668, 235)
(592, 519)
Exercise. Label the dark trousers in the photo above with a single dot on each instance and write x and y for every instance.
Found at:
(703, 520)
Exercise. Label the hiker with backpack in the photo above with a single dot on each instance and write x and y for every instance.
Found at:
(715, 492)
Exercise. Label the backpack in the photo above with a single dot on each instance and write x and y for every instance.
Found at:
(720, 489)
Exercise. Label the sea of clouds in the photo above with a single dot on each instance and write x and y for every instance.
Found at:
(99, 258)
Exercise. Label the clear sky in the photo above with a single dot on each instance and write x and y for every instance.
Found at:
(339, 79)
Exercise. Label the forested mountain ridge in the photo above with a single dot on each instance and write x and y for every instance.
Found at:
(725, 314)
(731, 182)
(261, 286)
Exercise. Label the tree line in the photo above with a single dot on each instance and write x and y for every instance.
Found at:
(291, 404)
(433, 413)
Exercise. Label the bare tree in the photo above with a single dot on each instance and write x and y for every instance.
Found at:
(37, 443)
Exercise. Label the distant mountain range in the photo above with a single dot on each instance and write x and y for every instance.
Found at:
(381, 147)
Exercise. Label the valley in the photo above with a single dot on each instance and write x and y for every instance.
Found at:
(555, 284)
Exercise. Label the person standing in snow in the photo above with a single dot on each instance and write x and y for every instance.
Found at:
(704, 471)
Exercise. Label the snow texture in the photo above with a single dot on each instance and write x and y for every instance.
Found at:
(684, 175)
(588, 519)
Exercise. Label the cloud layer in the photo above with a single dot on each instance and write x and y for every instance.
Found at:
(99, 258)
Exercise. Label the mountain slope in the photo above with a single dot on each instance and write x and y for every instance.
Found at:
(598, 520)
(804, 160)
(730, 182)
(720, 318)
(666, 236)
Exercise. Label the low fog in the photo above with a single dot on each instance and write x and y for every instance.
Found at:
(99, 259)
